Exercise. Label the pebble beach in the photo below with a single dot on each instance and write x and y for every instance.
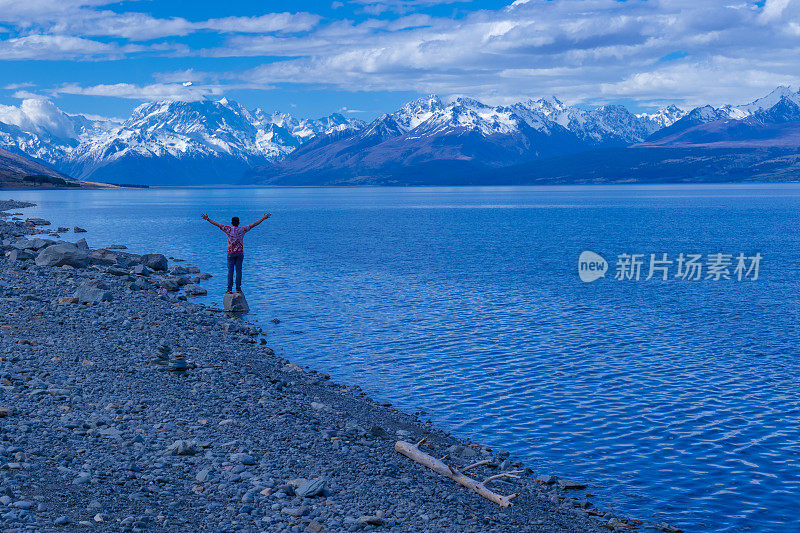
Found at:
(125, 406)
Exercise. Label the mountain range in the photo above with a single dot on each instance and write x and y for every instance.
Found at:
(427, 141)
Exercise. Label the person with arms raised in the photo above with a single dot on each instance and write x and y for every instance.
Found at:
(235, 234)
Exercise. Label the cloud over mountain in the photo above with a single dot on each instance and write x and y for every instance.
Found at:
(41, 117)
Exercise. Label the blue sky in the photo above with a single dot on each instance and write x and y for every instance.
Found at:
(365, 57)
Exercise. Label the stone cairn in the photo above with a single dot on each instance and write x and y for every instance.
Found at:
(173, 363)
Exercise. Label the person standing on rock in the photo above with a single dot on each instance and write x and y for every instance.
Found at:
(235, 235)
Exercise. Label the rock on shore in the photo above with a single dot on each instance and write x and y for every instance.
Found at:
(141, 410)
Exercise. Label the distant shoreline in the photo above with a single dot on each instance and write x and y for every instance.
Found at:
(563, 186)
(89, 185)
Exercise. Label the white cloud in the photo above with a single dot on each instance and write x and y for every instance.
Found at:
(38, 116)
(182, 76)
(377, 7)
(76, 17)
(269, 23)
(50, 47)
(717, 81)
(23, 94)
(773, 9)
(156, 91)
(15, 86)
(103, 118)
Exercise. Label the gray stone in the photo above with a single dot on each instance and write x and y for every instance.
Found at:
(116, 271)
(183, 447)
(19, 255)
(61, 255)
(169, 285)
(243, 458)
(127, 260)
(83, 245)
(37, 222)
(235, 303)
(96, 283)
(295, 511)
(139, 284)
(113, 433)
(203, 475)
(569, 484)
(62, 520)
(141, 270)
(181, 280)
(77, 229)
(374, 520)
(82, 478)
(103, 257)
(178, 364)
(311, 489)
(546, 479)
(195, 290)
(33, 244)
(379, 432)
(156, 262)
(88, 294)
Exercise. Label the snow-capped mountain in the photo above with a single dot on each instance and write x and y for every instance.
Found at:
(462, 136)
(732, 114)
(161, 142)
(611, 124)
(663, 118)
(305, 129)
(775, 127)
(768, 101)
(38, 129)
(173, 142)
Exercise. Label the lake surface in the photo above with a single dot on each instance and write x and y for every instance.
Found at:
(674, 400)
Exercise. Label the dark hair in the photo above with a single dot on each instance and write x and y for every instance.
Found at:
(235, 221)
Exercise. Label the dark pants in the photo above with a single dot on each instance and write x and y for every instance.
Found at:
(235, 262)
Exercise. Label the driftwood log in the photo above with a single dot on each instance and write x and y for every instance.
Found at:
(413, 452)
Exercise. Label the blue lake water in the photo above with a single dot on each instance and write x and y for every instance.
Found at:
(675, 400)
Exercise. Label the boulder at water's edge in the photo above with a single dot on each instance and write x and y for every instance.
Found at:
(235, 303)
(63, 254)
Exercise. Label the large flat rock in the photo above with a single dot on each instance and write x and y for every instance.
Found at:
(235, 303)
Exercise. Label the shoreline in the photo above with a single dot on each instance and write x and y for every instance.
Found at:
(223, 444)
(723, 186)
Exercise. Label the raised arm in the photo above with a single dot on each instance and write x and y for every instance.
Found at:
(259, 221)
(205, 217)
